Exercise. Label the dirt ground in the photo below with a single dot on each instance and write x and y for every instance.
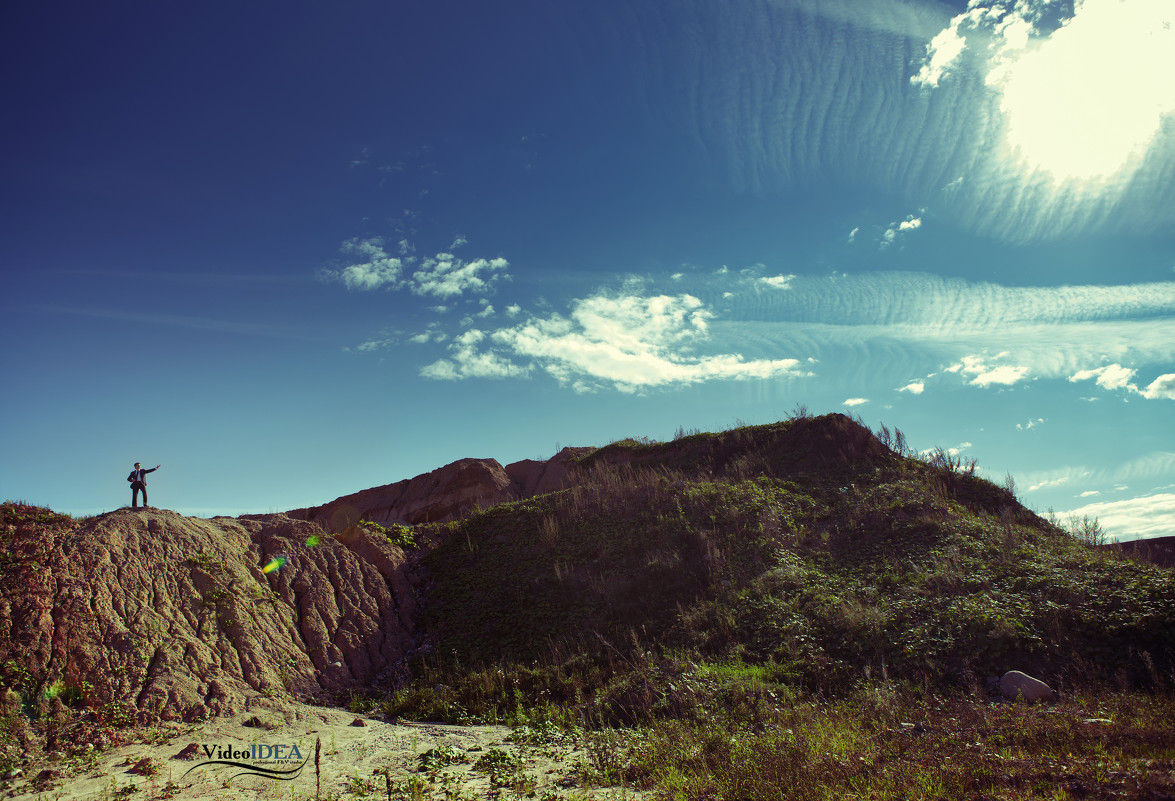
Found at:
(359, 757)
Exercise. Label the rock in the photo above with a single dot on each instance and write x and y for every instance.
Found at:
(47, 776)
(447, 493)
(1015, 685)
(179, 623)
(434, 497)
(532, 477)
(189, 752)
(358, 722)
(145, 767)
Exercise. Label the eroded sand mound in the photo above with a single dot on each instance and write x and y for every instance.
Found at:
(162, 617)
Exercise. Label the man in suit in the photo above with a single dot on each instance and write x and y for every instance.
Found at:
(138, 479)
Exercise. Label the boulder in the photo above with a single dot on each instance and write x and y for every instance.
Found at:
(1015, 685)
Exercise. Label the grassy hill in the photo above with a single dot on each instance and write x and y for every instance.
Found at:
(806, 548)
(801, 610)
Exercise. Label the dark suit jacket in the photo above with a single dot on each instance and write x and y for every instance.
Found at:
(142, 478)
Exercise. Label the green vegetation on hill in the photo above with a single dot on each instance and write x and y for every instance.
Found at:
(797, 611)
(823, 569)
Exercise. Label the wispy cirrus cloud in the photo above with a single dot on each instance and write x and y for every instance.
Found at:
(1157, 466)
(990, 335)
(630, 342)
(1142, 517)
(1001, 79)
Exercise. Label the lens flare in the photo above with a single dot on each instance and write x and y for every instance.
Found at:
(274, 565)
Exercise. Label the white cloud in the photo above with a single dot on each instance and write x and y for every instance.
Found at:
(432, 334)
(441, 370)
(853, 234)
(377, 268)
(631, 342)
(856, 402)
(1031, 424)
(1136, 518)
(985, 375)
(778, 281)
(914, 387)
(911, 223)
(374, 345)
(941, 53)
(445, 275)
(1161, 387)
(467, 361)
(1006, 375)
(1115, 376)
(1112, 376)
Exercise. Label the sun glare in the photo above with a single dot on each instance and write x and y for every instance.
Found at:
(1089, 100)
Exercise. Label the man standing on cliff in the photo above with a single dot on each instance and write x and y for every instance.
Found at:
(138, 479)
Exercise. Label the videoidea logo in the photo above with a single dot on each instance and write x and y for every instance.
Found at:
(281, 762)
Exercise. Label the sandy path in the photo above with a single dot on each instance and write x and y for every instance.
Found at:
(350, 756)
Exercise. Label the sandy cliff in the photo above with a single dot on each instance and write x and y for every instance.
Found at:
(160, 616)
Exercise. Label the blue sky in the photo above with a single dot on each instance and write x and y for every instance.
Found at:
(292, 251)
